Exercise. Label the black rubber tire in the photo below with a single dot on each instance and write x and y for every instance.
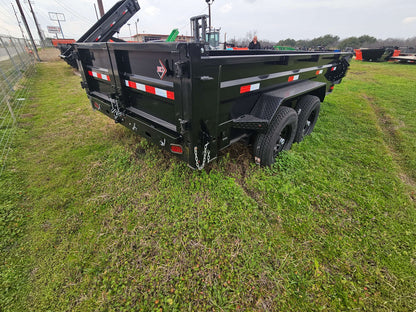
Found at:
(279, 136)
(307, 108)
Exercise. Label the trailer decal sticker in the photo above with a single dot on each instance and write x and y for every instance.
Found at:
(98, 75)
(161, 70)
(293, 78)
(249, 88)
(152, 90)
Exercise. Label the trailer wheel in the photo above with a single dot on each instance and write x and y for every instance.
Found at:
(278, 137)
(308, 109)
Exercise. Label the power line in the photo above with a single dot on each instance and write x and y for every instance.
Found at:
(73, 12)
(5, 4)
(6, 19)
(187, 24)
(5, 12)
(18, 21)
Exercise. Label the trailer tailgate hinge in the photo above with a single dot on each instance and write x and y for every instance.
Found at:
(185, 125)
(84, 84)
(182, 69)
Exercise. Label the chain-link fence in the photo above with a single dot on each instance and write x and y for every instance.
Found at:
(17, 66)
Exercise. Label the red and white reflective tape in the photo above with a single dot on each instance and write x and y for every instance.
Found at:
(334, 68)
(293, 78)
(249, 88)
(125, 11)
(98, 75)
(319, 72)
(149, 89)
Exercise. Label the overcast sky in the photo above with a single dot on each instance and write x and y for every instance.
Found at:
(270, 19)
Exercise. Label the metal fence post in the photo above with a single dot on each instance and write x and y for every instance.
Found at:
(23, 51)
(16, 78)
(5, 79)
(22, 63)
(9, 106)
(10, 56)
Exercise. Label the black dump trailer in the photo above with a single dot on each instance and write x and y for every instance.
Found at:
(195, 102)
(377, 54)
(104, 29)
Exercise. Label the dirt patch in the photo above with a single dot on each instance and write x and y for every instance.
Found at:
(49, 55)
(388, 126)
(238, 166)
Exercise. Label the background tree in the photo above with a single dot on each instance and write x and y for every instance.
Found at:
(329, 42)
(287, 42)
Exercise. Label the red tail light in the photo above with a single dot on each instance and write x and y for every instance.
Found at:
(176, 149)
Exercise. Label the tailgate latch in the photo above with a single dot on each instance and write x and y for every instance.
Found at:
(182, 69)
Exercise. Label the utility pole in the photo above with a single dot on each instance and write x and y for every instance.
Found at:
(96, 14)
(101, 7)
(37, 25)
(209, 11)
(18, 21)
(35, 50)
(137, 31)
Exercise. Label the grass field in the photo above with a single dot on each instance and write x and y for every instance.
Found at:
(95, 218)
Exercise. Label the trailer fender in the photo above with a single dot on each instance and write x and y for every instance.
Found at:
(336, 73)
(268, 104)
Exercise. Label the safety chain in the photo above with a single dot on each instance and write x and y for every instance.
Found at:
(115, 109)
(205, 159)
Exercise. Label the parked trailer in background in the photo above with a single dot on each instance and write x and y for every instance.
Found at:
(406, 55)
(59, 42)
(376, 55)
(409, 58)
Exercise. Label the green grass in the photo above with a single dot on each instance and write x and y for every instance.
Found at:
(95, 218)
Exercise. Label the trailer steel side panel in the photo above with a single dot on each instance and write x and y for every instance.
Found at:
(180, 94)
